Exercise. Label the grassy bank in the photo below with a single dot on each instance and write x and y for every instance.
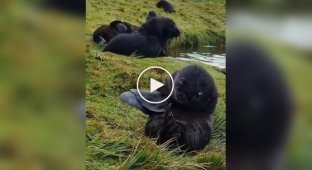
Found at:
(115, 131)
(201, 22)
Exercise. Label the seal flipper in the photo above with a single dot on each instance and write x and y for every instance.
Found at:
(102, 41)
(121, 27)
(133, 98)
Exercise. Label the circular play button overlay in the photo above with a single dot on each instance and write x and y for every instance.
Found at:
(154, 82)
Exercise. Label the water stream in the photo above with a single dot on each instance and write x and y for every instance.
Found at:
(210, 55)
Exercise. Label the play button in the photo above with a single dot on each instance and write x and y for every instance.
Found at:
(153, 75)
(154, 85)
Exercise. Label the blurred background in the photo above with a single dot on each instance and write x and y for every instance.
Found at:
(42, 53)
(281, 30)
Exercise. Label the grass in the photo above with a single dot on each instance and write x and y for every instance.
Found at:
(114, 130)
(201, 22)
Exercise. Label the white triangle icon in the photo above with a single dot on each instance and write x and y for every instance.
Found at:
(154, 85)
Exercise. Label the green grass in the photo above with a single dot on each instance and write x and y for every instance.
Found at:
(201, 22)
(114, 130)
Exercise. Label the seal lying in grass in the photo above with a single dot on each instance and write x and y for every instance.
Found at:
(149, 41)
(105, 33)
(166, 6)
(186, 117)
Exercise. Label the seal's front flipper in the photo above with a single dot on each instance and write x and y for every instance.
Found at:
(102, 41)
(133, 98)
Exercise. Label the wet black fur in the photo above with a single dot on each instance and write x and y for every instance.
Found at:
(149, 41)
(107, 32)
(186, 121)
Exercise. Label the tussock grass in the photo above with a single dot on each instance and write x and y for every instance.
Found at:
(115, 131)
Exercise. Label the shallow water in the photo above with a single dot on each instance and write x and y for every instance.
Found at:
(206, 54)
